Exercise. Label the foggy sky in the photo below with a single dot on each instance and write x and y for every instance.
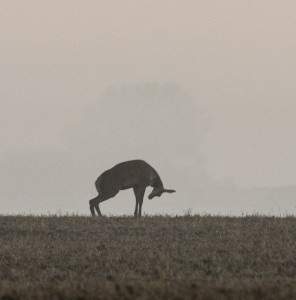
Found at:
(204, 91)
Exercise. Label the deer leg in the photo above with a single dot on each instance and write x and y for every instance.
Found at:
(93, 204)
(98, 209)
(140, 207)
(136, 209)
(107, 196)
(139, 193)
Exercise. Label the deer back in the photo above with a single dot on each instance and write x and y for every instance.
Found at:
(126, 175)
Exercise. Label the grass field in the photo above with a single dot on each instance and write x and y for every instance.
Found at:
(190, 257)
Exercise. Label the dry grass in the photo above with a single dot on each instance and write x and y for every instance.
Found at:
(192, 257)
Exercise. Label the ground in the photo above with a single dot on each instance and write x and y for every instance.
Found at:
(155, 257)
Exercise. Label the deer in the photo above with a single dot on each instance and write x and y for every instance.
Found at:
(135, 174)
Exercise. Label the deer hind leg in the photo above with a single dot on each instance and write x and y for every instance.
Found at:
(106, 196)
(94, 204)
(139, 193)
(98, 209)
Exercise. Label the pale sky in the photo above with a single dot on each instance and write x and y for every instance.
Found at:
(203, 90)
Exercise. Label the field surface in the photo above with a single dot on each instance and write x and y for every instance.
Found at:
(190, 257)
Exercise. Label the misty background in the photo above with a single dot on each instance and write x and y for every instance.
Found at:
(203, 91)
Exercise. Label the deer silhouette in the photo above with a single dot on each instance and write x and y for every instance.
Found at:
(136, 174)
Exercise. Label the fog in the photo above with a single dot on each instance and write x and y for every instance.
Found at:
(204, 92)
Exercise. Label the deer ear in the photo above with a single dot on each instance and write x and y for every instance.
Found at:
(169, 191)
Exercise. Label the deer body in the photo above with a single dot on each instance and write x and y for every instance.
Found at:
(136, 174)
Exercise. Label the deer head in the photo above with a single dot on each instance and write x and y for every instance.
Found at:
(158, 191)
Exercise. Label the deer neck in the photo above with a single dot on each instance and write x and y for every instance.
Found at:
(157, 183)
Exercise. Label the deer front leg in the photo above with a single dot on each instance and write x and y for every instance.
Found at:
(139, 193)
(140, 206)
(136, 209)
